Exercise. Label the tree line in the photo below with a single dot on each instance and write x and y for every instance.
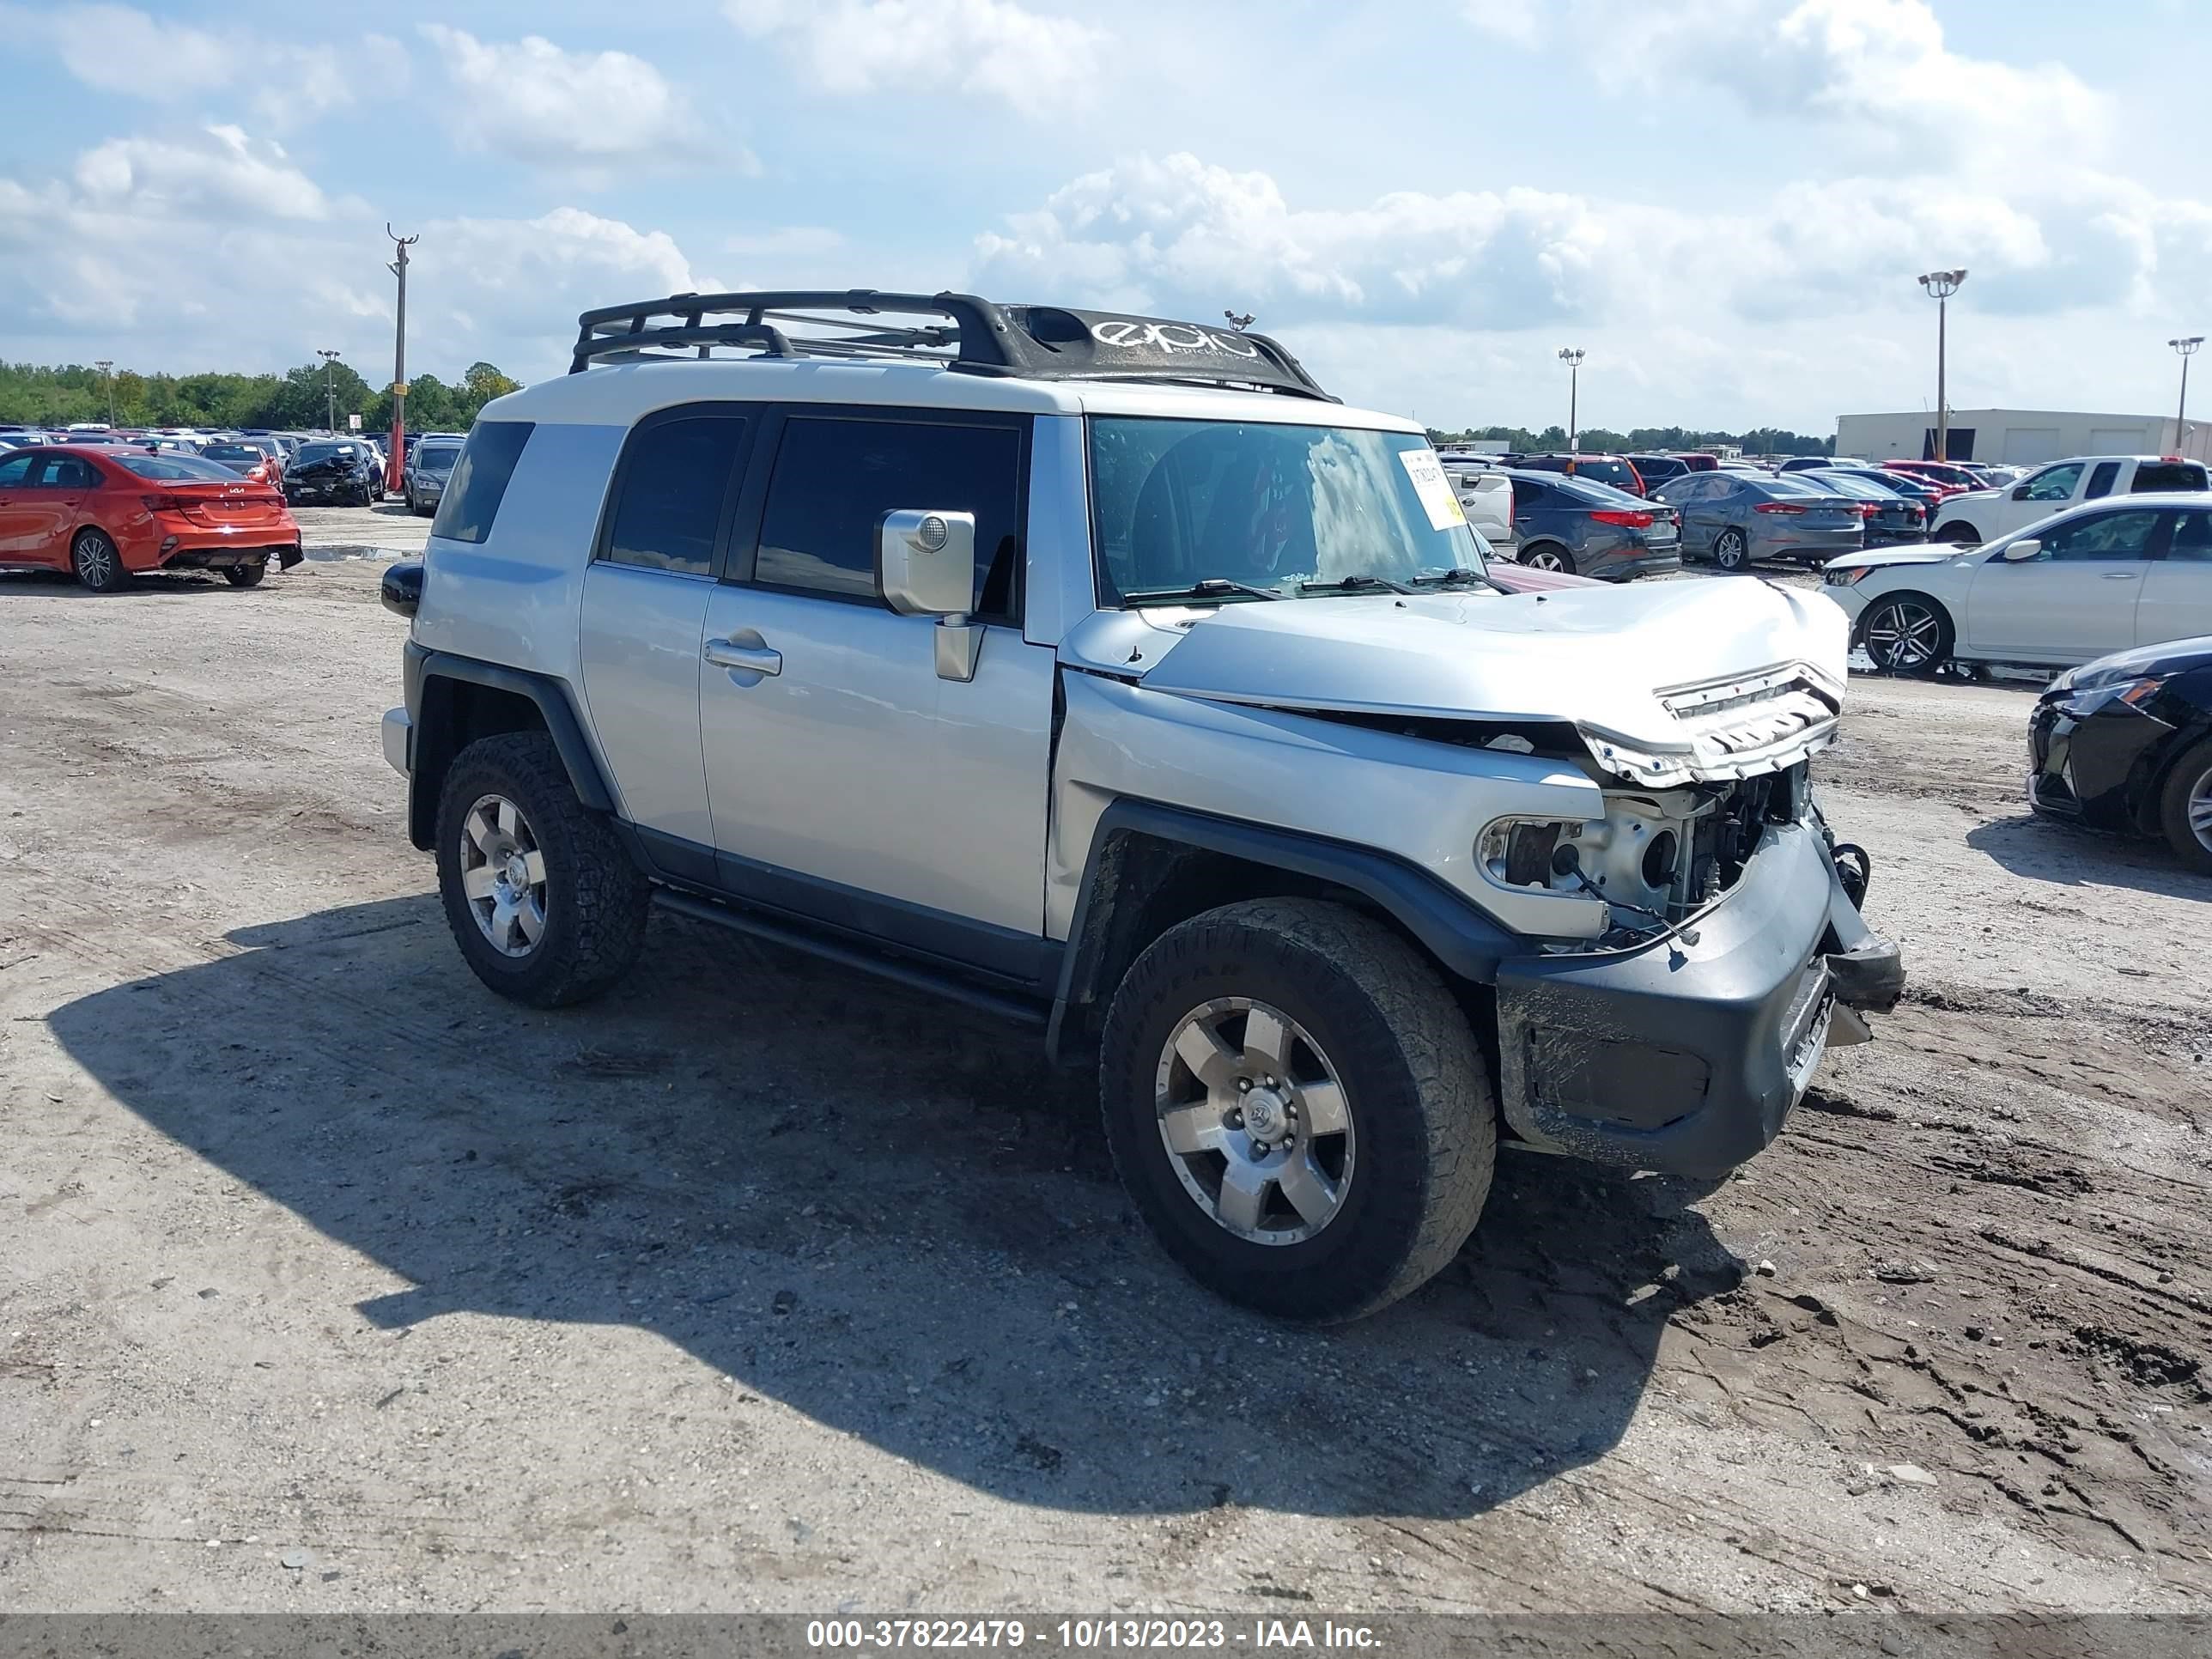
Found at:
(301, 399)
(1597, 439)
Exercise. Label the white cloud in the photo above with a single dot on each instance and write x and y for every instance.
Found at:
(580, 114)
(217, 168)
(120, 49)
(1032, 61)
(1513, 20)
(1881, 71)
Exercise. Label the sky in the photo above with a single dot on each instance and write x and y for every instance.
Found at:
(1723, 203)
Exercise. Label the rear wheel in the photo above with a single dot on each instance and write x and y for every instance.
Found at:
(1549, 556)
(1730, 550)
(245, 576)
(1907, 634)
(1297, 1107)
(2185, 808)
(97, 562)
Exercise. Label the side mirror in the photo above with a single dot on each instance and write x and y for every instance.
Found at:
(2026, 548)
(925, 562)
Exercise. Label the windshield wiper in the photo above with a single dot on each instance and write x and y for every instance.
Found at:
(1354, 583)
(1440, 578)
(1212, 587)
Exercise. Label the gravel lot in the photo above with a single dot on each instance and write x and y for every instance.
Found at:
(329, 1282)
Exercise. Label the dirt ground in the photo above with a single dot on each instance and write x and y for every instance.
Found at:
(327, 1281)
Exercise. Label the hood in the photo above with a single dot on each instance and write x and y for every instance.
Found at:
(1665, 683)
(1968, 497)
(1909, 553)
(2167, 656)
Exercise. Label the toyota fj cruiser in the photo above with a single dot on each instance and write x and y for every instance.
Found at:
(1105, 672)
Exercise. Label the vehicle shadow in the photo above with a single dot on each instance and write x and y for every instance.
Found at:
(886, 1212)
(2068, 855)
(62, 585)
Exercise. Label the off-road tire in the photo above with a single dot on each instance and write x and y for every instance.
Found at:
(596, 897)
(97, 562)
(1417, 1092)
(1731, 552)
(2188, 775)
(245, 576)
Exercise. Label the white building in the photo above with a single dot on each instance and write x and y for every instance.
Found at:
(2021, 437)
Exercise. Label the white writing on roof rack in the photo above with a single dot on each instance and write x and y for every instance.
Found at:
(1131, 332)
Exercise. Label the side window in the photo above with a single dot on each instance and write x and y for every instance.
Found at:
(15, 470)
(835, 479)
(2192, 537)
(2101, 480)
(2054, 483)
(479, 482)
(68, 472)
(2167, 475)
(675, 477)
(2103, 537)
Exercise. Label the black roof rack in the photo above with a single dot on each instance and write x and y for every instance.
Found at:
(972, 335)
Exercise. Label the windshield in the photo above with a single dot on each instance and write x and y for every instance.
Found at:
(1178, 503)
(325, 451)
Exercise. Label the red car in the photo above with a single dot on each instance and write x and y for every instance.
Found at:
(109, 513)
(1940, 475)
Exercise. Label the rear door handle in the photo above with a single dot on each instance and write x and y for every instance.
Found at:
(752, 659)
(2122, 576)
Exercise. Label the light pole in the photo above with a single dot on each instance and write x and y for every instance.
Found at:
(105, 365)
(1940, 286)
(1572, 358)
(330, 388)
(396, 461)
(2187, 347)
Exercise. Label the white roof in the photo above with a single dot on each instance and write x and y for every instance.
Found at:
(619, 394)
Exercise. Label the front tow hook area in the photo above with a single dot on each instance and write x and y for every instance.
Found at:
(1865, 968)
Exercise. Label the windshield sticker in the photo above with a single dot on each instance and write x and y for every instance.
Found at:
(1433, 487)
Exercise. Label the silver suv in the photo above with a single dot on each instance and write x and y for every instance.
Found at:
(1105, 672)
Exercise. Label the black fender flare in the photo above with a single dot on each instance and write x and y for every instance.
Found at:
(1462, 939)
(432, 743)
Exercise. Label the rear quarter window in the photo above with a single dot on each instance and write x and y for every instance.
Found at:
(472, 496)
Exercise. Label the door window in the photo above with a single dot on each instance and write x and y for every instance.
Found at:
(676, 472)
(16, 469)
(2053, 483)
(835, 479)
(72, 472)
(2193, 539)
(2102, 538)
(2101, 481)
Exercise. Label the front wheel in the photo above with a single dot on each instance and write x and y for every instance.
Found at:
(2185, 808)
(1730, 550)
(544, 900)
(1907, 634)
(1297, 1107)
(1959, 535)
(98, 563)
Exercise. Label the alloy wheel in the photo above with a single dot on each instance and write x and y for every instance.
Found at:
(503, 875)
(1546, 559)
(95, 561)
(1903, 634)
(2199, 810)
(1254, 1121)
(1729, 551)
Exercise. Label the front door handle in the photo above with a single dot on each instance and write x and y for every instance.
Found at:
(749, 658)
(2120, 575)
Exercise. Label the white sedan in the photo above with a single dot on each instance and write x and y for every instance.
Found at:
(2132, 570)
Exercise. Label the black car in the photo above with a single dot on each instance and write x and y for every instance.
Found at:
(1589, 529)
(2125, 743)
(1656, 470)
(1894, 522)
(342, 473)
(1899, 484)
